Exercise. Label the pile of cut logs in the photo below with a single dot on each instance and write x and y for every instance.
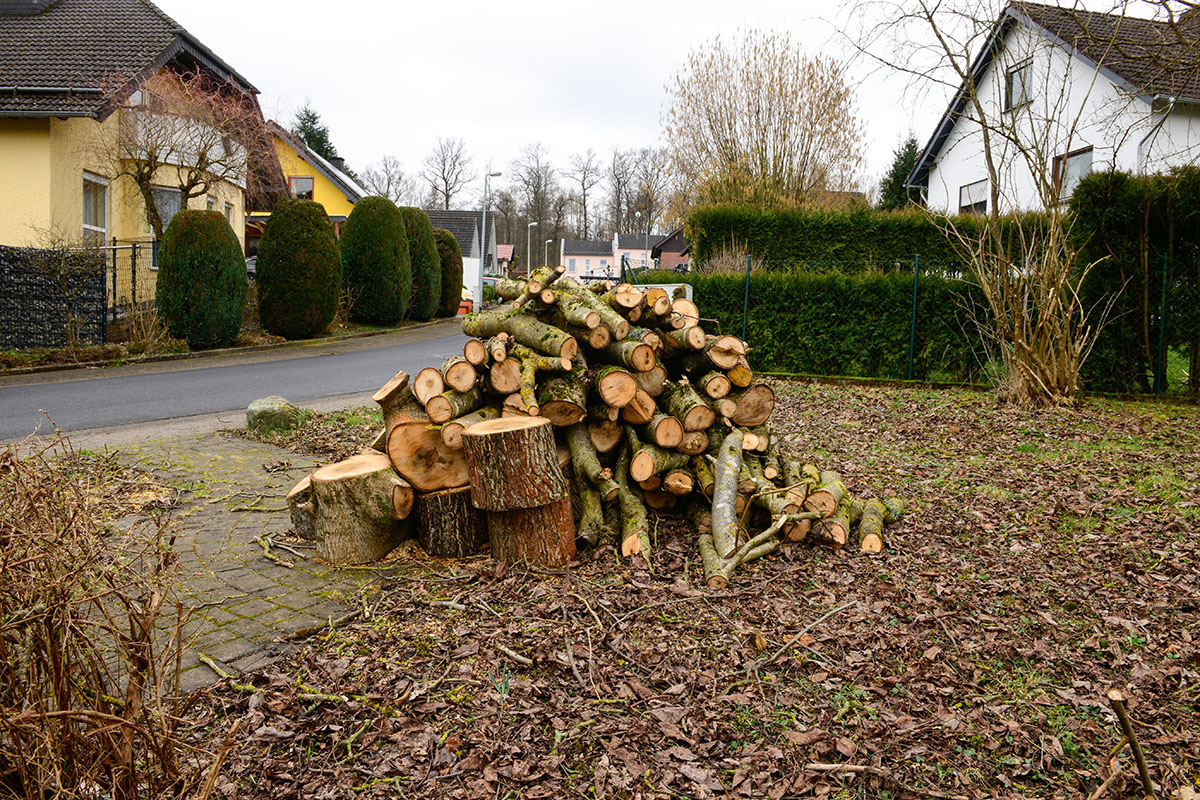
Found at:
(575, 409)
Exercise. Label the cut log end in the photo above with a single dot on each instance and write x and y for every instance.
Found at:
(475, 352)
(428, 383)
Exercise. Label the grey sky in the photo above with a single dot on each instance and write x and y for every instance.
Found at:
(390, 78)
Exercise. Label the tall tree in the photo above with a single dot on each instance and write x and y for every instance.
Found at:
(651, 174)
(585, 174)
(759, 121)
(314, 132)
(893, 192)
(388, 179)
(619, 179)
(447, 171)
(535, 182)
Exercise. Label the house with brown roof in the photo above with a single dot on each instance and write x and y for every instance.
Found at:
(75, 76)
(1065, 92)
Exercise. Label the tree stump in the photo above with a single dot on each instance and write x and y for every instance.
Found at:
(299, 501)
(543, 535)
(359, 509)
(448, 525)
(512, 464)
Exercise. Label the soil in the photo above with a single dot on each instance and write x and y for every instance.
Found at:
(1046, 556)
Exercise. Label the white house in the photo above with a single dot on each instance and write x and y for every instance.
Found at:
(1065, 92)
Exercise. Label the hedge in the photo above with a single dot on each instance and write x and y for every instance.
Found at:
(375, 261)
(845, 324)
(452, 272)
(200, 292)
(299, 270)
(426, 266)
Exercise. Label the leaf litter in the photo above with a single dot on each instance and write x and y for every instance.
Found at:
(1049, 555)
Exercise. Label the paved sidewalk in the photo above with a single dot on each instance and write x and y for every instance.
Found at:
(243, 602)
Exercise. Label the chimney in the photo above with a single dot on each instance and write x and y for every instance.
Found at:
(339, 163)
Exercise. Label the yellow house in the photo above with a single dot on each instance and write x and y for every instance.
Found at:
(310, 177)
(73, 81)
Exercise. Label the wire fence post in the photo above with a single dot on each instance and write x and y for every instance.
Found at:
(1160, 374)
(746, 298)
(114, 282)
(912, 326)
(133, 275)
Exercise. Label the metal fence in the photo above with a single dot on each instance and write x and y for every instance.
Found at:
(131, 273)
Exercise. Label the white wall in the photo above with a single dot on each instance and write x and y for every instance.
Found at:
(1113, 121)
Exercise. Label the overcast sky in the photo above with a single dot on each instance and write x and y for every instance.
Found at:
(390, 78)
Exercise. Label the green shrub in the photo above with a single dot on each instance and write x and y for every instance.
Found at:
(201, 286)
(299, 271)
(426, 266)
(452, 272)
(375, 262)
(844, 324)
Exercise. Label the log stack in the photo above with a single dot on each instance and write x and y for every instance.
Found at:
(644, 407)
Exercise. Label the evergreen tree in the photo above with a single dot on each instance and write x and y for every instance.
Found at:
(892, 192)
(313, 132)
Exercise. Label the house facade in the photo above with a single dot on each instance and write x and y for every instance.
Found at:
(464, 226)
(1064, 92)
(636, 247)
(71, 71)
(672, 251)
(583, 257)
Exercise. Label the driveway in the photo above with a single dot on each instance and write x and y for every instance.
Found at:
(147, 393)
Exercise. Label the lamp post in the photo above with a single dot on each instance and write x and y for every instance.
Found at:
(638, 216)
(478, 290)
(546, 253)
(528, 244)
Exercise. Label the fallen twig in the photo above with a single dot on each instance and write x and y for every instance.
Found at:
(757, 665)
(269, 556)
(208, 661)
(330, 624)
(515, 656)
(1117, 700)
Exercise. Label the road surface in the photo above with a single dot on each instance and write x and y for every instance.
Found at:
(83, 399)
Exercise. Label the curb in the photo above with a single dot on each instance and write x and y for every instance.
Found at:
(253, 348)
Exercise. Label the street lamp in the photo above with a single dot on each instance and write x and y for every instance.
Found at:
(546, 253)
(478, 289)
(638, 215)
(529, 252)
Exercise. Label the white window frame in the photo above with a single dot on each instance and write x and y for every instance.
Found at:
(1061, 163)
(229, 213)
(1021, 71)
(310, 178)
(211, 203)
(973, 195)
(101, 181)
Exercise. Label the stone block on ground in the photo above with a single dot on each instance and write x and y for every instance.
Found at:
(272, 414)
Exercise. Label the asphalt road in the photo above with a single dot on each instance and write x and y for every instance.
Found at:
(82, 399)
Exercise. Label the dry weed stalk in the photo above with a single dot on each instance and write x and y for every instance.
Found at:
(90, 639)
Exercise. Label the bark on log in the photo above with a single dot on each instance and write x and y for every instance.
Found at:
(724, 351)
(826, 497)
(459, 374)
(628, 353)
(452, 430)
(646, 336)
(688, 339)
(360, 507)
(525, 329)
(893, 510)
(542, 535)
(563, 398)
(663, 430)
(754, 405)
(652, 380)
(723, 407)
(615, 385)
(299, 501)
(498, 346)
(505, 376)
(428, 383)
(635, 530)
(587, 464)
(834, 530)
(418, 453)
(870, 527)
(658, 301)
(649, 459)
(687, 406)
(600, 412)
(641, 410)
(592, 527)
(529, 386)
(576, 312)
(609, 318)
(704, 475)
(512, 464)
(509, 289)
(684, 313)
(625, 296)
(450, 404)
(448, 526)
(392, 397)
(725, 490)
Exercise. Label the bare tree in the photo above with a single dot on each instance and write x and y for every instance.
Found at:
(619, 179)
(388, 179)
(536, 185)
(189, 131)
(759, 121)
(447, 171)
(585, 173)
(652, 179)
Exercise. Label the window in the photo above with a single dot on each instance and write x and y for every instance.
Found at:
(229, 213)
(603, 263)
(571, 264)
(587, 263)
(1016, 86)
(168, 201)
(1070, 169)
(95, 209)
(972, 198)
(212, 203)
(301, 188)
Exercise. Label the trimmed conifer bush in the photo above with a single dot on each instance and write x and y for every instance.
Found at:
(375, 262)
(299, 270)
(452, 272)
(201, 287)
(426, 266)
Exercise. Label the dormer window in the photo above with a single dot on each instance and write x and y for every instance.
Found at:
(1016, 86)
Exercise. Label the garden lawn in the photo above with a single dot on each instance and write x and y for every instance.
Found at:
(1046, 557)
